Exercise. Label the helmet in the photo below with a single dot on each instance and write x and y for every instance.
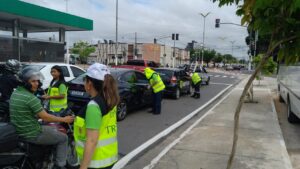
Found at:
(13, 65)
(29, 73)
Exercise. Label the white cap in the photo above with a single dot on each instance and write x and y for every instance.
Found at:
(97, 71)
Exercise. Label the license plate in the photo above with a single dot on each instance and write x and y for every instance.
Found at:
(77, 93)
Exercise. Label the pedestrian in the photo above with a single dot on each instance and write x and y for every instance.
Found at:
(95, 127)
(25, 110)
(157, 86)
(196, 82)
(57, 91)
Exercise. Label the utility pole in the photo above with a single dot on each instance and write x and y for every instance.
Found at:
(135, 45)
(232, 43)
(204, 17)
(116, 47)
(66, 6)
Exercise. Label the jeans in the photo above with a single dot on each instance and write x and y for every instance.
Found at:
(157, 102)
(51, 136)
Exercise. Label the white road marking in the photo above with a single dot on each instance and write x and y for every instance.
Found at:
(217, 75)
(227, 84)
(168, 148)
(123, 161)
(224, 76)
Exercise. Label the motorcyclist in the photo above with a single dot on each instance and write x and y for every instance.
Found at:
(9, 81)
(26, 108)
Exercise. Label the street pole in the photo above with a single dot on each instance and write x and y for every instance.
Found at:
(116, 47)
(232, 43)
(204, 17)
(173, 64)
(66, 6)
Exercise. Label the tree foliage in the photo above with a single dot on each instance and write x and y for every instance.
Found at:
(84, 49)
(269, 68)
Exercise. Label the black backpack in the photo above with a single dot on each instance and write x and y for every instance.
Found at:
(8, 137)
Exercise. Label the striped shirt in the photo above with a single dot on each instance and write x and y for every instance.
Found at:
(24, 107)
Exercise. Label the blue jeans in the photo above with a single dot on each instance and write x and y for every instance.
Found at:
(157, 102)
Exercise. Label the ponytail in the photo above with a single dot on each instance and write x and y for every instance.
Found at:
(110, 92)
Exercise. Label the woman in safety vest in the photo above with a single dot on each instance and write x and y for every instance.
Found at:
(57, 91)
(95, 127)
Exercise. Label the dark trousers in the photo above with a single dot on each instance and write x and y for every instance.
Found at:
(197, 89)
(156, 102)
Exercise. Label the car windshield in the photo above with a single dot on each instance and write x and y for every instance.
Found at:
(135, 63)
(165, 72)
(37, 67)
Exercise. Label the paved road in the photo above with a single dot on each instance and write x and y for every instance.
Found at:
(140, 126)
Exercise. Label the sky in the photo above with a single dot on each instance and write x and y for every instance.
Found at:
(156, 19)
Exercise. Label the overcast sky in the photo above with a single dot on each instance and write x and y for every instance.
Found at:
(156, 18)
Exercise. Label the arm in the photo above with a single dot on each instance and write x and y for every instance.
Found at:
(50, 118)
(89, 148)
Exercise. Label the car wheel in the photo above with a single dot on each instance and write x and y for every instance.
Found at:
(292, 118)
(177, 94)
(122, 110)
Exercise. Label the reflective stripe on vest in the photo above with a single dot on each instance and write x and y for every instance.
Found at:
(196, 78)
(56, 105)
(106, 152)
(159, 86)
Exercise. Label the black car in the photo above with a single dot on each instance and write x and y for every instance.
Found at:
(132, 86)
(176, 81)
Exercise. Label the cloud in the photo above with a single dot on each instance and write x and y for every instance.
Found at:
(154, 19)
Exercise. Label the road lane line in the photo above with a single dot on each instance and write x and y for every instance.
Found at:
(123, 161)
(224, 76)
(168, 148)
(227, 84)
(217, 75)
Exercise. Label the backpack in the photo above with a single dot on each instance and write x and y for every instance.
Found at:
(8, 137)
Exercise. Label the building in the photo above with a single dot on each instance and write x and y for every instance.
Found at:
(148, 51)
(18, 20)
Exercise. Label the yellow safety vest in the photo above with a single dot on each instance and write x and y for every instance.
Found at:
(55, 105)
(106, 152)
(196, 78)
(159, 86)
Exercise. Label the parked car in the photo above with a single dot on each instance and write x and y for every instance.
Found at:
(228, 67)
(204, 75)
(69, 71)
(176, 80)
(138, 65)
(132, 86)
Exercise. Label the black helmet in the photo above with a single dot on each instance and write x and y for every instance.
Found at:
(29, 73)
(13, 65)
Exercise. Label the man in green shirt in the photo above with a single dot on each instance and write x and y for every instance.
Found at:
(26, 109)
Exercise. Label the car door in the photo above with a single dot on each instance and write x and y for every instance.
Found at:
(66, 73)
(184, 80)
(142, 84)
(130, 92)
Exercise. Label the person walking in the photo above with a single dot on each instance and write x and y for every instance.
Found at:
(95, 126)
(196, 82)
(25, 109)
(57, 91)
(157, 86)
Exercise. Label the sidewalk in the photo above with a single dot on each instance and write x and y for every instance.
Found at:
(208, 144)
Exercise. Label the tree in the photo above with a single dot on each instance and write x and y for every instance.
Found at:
(209, 55)
(217, 59)
(84, 49)
(280, 21)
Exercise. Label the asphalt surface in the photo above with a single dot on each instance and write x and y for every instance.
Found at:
(139, 126)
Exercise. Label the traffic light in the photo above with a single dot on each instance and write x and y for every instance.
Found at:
(175, 36)
(217, 23)
(155, 40)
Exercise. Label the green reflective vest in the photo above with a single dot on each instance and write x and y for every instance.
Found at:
(106, 152)
(157, 85)
(55, 105)
(196, 78)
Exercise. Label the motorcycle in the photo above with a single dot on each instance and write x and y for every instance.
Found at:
(31, 156)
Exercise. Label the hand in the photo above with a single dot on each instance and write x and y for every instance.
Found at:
(46, 97)
(68, 119)
(148, 86)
